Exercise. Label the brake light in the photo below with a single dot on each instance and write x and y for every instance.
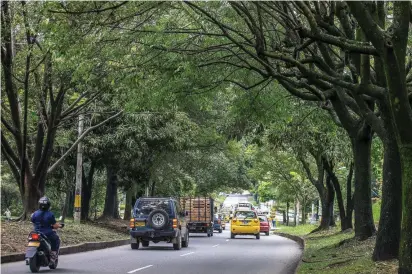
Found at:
(34, 237)
(132, 223)
(174, 223)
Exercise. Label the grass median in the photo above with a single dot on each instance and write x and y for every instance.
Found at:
(337, 252)
(14, 234)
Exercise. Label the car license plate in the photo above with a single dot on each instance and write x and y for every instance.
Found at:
(140, 224)
(34, 244)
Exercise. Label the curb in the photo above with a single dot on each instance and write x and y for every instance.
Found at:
(300, 241)
(65, 250)
(297, 239)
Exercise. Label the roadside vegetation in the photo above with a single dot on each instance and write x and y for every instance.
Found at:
(14, 235)
(334, 251)
(300, 103)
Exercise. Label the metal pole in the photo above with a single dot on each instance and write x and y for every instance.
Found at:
(78, 192)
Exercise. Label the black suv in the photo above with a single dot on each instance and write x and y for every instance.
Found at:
(158, 219)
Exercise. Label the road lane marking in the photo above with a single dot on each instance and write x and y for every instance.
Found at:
(147, 266)
(227, 240)
(215, 245)
(186, 254)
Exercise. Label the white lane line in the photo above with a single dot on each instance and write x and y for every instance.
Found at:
(147, 266)
(227, 240)
(215, 245)
(186, 254)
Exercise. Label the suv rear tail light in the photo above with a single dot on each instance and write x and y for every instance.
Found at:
(132, 223)
(174, 223)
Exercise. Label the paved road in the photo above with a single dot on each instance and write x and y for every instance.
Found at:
(217, 254)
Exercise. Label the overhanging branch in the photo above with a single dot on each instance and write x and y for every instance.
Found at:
(58, 162)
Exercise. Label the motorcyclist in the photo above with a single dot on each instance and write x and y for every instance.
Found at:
(45, 222)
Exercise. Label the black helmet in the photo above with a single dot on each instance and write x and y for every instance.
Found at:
(44, 203)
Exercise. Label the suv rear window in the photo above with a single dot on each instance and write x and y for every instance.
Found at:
(144, 207)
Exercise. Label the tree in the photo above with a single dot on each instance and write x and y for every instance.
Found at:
(53, 100)
(319, 63)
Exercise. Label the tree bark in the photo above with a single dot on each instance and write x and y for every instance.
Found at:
(287, 213)
(388, 236)
(111, 193)
(65, 206)
(405, 258)
(152, 189)
(349, 200)
(31, 196)
(295, 219)
(87, 187)
(116, 212)
(364, 225)
(339, 198)
(70, 206)
(304, 212)
(128, 205)
(327, 204)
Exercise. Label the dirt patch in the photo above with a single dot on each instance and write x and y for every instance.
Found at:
(14, 234)
(118, 225)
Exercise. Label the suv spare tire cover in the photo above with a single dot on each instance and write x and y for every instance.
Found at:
(158, 219)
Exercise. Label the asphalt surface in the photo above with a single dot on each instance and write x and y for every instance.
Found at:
(217, 254)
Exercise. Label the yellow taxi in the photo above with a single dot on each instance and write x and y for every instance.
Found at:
(245, 222)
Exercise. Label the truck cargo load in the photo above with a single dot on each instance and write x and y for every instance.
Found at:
(199, 213)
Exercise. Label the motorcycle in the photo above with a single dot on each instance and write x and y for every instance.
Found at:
(38, 252)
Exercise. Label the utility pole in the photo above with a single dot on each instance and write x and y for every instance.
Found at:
(79, 167)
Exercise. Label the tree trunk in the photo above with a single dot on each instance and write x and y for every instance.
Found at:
(284, 216)
(153, 188)
(405, 250)
(111, 193)
(295, 219)
(304, 212)
(339, 198)
(388, 236)
(116, 212)
(287, 213)
(325, 219)
(128, 205)
(65, 206)
(364, 226)
(327, 205)
(70, 206)
(87, 187)
(349, 200)
(31, 197)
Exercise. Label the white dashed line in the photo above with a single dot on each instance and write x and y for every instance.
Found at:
(215, 245)
(186, 254)
(147, 266)
(227, 240)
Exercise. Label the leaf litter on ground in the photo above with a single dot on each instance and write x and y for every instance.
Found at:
(14, 234)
